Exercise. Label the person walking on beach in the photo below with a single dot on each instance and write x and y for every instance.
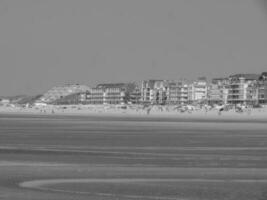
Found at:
(148, 111)
(220, 111)
(249, 109)
(206, 109)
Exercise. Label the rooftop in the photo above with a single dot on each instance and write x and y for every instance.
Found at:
(246, 76)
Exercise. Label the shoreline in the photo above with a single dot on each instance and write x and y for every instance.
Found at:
(211, 116)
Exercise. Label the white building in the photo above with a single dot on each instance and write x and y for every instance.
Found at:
(177, 92)
(243, 89)
(112, 93)
(218, 91)
(198, 91)
(262, 88)
(154, 91)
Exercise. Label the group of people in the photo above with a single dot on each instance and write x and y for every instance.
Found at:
(205, 108)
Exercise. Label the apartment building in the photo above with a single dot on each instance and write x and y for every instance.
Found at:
(177, 92)
(262, 88)
(243, 89)
(60, 92)
(198, 91)
(94, 96)
(218, 91)
(135, 95)
(173, 91)
(109, 93)
(214, 94)
(113, 93)
(147, 91)
(154, 91)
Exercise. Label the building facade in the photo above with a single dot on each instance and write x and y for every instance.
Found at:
(242, 89)
(154, 92)
(218, 91)
(94, 96)
(177, 92)
(198, 91)
(262, 88)
(214, 94)
(135, 95)
(112, 93)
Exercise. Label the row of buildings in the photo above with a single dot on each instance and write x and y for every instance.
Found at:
(235, 89)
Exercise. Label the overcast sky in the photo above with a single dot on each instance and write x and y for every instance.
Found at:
(49, 42)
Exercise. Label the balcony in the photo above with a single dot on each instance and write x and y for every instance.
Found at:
(235, 92)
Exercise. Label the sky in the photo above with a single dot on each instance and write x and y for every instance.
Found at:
(54, 42)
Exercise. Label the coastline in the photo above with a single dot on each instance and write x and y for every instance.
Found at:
(255, 115)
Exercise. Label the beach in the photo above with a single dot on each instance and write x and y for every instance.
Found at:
(137, 111)
(111, 157)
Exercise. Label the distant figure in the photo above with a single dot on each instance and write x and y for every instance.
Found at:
(53, 112)
(148, 111)
(249, 110)
(167, 109)
(239, 110)
(206, 109)
(220, 111)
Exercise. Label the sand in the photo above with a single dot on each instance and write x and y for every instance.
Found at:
(126, 158)
(135, 111)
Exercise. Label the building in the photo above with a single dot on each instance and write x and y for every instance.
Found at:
(242, 89)
(198, 91)
(262, 88)
(60, 92)
(173, 92)
(154, 92)
(94, 96)
(147, 91)
(218, 91)
(177, 92)
(223, 84)
(253, 93)
(214, 94)
(4, 101)
(106, 94)
(112, 93)
(135, 95)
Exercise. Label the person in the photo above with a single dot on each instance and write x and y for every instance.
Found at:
(206, 109)
(220, 111)
(148, 111)
(249, 110)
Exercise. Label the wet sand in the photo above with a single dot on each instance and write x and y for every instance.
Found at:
(104, 157)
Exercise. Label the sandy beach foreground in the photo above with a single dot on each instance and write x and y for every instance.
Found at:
(130, 157)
